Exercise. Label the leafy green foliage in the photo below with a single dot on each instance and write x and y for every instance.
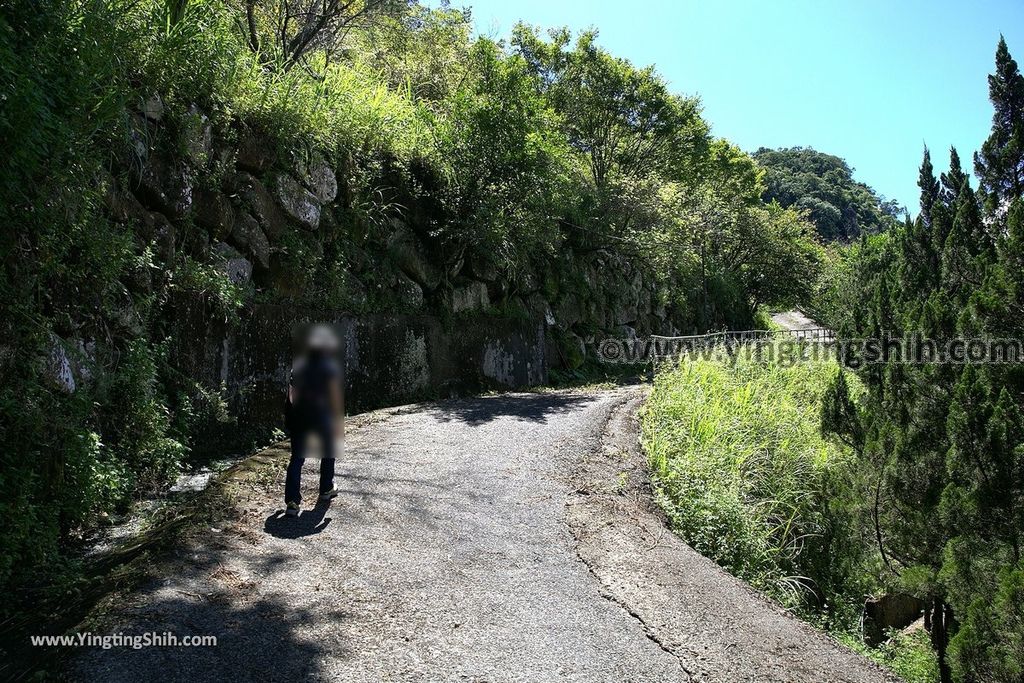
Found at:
(505, 158)
(990, 645)
(510, 156)
(908, 655)
(629, 132)
(751, 478)
(748, 479)
(730, 252)
(65, 96)
(840, 207)
(288, 33)
(422, 52)
(623, 120)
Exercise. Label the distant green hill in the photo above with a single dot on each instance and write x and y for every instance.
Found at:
(840, 207)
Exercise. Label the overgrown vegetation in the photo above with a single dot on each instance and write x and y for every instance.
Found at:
(922, 472)
(519, 159)
(907, 653)
(522, 160)
(748, 478)
(945, 442)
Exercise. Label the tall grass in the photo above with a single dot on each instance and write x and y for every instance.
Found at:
(347, 108)
(746, 477)
(332, 106)
(743, 470)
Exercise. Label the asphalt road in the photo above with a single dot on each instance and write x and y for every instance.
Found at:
(506, 538)
(794, 320)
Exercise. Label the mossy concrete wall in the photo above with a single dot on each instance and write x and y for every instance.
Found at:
(389, 358)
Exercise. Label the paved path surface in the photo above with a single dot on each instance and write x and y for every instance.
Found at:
(507, 538)
(794, 320)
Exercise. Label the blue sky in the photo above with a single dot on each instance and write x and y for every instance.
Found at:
(869, 80)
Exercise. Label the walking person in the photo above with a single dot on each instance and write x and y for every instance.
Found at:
(315, 406)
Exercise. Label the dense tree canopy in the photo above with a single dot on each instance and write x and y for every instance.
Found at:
(823, 185)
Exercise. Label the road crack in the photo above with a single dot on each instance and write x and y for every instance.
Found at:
(597, 467)
(649, 631)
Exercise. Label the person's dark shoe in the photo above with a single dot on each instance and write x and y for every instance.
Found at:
(329, 495)
(292, 510)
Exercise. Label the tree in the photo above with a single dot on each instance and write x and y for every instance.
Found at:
(953, 180)
(967, 246)
(422, 51)
(990, 646)
(946, 442)
(822, 184)
(288, 31)
(623, 121)
(715, 239)
(1000, 162)
(929, 188)
(506, 160)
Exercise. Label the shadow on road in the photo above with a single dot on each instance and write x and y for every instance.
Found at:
(308, 523)
(261, 635)
(533, 408)
(253, 639)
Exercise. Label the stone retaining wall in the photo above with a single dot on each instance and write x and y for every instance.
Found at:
(389, 359)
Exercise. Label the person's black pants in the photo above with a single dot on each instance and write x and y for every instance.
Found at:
(323, 427)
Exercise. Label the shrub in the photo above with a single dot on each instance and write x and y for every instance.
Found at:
(907, 653)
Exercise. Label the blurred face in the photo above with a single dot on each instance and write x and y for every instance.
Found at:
(321, 339)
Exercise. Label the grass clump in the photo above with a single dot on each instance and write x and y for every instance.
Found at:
(743, 470)
(748, 479)
(908, 654)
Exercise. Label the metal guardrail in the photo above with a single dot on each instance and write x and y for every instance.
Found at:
(662, 347)
(810, 334)
(639, 350)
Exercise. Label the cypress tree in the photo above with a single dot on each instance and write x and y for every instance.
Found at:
(1000, 163)
(1012, 248)
(967, 248)
(953, 180)
(945, 442)
(916, 263)
(929, 230)
(929, 188)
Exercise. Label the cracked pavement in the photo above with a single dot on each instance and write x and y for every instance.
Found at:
(503, 538)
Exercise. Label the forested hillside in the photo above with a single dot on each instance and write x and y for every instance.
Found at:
(175, 160)
(916, 490)
(943, 442)
(840, 207)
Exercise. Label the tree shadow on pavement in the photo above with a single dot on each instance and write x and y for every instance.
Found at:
(529, 407)
(208, 588)
(308, 523)
(258, 640)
